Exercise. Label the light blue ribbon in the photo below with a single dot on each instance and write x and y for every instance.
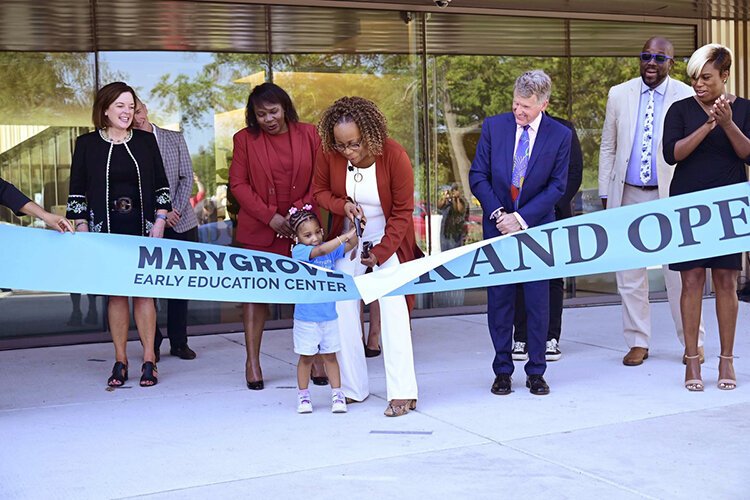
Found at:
(681, 228)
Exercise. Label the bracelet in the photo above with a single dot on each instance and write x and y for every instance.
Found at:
(161, 216)
(339, 238)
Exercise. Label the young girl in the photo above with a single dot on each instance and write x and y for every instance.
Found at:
(315, 326)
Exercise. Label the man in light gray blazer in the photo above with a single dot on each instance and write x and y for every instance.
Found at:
(181, 221)
(632, 170)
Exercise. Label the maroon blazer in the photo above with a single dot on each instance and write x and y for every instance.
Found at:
(395, 178)
(251, 181)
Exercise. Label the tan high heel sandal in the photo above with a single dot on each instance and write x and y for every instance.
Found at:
(396, 410)
(727, 384)
(694, 384)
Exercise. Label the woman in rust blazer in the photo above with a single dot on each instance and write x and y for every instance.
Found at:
(361, 172)
(271, 171)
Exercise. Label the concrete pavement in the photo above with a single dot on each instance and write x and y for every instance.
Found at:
(606, 430)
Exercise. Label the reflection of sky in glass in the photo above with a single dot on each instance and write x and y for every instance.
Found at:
(143, 70)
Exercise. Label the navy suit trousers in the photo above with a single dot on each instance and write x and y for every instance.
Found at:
(501, 303)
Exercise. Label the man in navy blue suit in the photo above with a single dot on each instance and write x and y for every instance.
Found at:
(518, 174)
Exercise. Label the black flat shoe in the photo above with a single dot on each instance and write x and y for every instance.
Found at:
(537, 385)
(183, 352)
(372, 353)
(501, 386)
(255, 386)
(319, 380)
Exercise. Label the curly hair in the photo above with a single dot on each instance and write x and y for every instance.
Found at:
(364, 113)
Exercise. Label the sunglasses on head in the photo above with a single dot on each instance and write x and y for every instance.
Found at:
(660, 58)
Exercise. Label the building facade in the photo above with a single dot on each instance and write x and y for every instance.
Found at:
(435, 72)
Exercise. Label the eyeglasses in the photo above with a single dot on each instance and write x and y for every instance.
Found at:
(354, 146)
(660, 58)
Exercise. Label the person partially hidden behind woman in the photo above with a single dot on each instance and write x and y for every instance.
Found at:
(708, 137)
(363, 172)
(271, 172)
(20, 204)
(118, 185)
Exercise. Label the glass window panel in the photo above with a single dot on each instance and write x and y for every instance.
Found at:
(392, 81)
(203, 95)
(45, 99)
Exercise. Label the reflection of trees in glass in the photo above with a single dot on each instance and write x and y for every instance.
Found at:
(40, 88)
(204, 164)
(389, 80)
(195, 98)
(471, 88)
(313, 80)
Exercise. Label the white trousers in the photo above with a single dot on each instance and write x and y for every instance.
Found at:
(633, 288)
(398, 356)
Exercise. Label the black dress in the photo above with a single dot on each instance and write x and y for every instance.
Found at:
(712, 164)
(117, 187)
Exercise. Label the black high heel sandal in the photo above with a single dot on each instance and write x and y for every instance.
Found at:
(372, 353)
(148, 379)
(255, 386)
(119, 375)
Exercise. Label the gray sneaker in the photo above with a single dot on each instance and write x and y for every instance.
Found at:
(519, 352)
(553, 351)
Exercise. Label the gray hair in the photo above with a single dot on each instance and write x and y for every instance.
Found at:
(533, 83)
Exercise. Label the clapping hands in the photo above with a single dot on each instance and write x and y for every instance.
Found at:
(721, 112)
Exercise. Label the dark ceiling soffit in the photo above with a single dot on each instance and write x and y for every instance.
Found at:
(224, 27)
(665, 11)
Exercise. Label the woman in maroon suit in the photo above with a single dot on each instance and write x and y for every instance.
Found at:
(271, 171)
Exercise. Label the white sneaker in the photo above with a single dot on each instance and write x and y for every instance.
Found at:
(304, 405)
(338, 402)
(552, 353)
(519, 352)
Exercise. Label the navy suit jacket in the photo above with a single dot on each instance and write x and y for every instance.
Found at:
(546, 175)
(11, 197)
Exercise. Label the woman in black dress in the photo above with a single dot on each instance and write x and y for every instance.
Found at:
(707, 137)
(118, 185)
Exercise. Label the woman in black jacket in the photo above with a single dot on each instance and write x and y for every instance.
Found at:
(118, 185)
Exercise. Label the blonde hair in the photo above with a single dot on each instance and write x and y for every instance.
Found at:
(717, 54)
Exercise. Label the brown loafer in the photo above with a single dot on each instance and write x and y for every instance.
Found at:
(635, 356)
(701, 353)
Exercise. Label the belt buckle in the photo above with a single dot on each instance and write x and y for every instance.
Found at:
(123, 205)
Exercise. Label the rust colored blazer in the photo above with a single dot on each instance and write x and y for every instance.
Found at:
(252, 184)
(395, 178)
